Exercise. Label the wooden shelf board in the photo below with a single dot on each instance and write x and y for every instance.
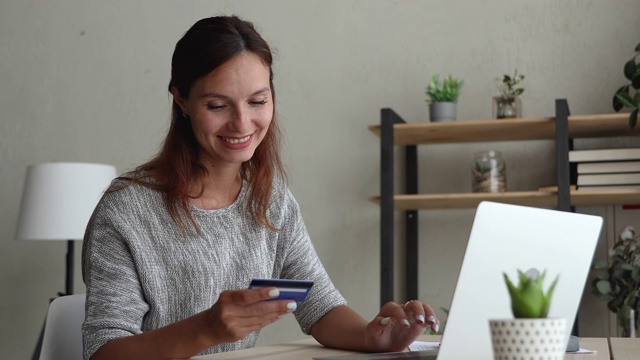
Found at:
(604, 125)
(527, 198)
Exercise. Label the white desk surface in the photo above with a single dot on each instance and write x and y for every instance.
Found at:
(622, 349)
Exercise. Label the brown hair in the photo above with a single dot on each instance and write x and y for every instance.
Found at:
(209, 43)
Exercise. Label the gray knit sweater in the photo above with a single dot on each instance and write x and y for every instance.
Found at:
(142, 272)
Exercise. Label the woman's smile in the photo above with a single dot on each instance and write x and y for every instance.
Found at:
(237, 142)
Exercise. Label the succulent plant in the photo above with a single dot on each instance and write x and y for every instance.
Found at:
(528, 299)
(447, 91)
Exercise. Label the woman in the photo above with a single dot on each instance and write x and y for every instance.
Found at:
(172, 246)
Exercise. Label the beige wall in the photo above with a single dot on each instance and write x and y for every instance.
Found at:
(86, 81)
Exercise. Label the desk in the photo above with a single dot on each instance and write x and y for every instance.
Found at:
(620, 348)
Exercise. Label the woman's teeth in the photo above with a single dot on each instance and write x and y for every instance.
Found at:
(236, 140)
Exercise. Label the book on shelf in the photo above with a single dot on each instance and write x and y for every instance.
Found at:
(554, 189)
(609, 179)
(608, 187)
(617, 154)
(608, 167)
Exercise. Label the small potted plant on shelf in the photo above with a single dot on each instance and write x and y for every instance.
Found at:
(618, 281)
(442, 97)
(530, 333)
(507, 105)
(629, 94)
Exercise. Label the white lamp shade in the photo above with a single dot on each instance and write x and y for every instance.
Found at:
(59, 198)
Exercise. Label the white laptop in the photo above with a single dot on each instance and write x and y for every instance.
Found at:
(507, 238)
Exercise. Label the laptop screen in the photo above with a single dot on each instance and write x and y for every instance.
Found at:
(504, 239)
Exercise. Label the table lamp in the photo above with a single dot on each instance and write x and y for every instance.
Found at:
(57, 202)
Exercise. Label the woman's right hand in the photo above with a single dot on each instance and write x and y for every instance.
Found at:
(238, 313)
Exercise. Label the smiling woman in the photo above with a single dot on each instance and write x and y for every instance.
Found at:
(173, 245)
(230, 111)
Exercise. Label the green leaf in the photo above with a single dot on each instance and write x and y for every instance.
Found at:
(635, 83)
(630, 69)
(617, 104)
(633, 118)
(603, 287)
(638, 47)
(602, 274)
(616, 302)
(547, 296)
(625, 99)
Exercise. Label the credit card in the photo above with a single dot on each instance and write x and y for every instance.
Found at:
(289, 289)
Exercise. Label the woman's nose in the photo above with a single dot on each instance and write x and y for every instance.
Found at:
(240, 119)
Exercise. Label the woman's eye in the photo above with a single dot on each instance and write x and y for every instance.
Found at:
(215, 107)
(259, 102)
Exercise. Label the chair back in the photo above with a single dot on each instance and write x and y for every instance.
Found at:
(62, 337)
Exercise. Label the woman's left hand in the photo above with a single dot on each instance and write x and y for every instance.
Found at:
(397, 326)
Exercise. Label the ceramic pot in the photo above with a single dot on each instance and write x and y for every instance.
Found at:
(530, 339)
(442, 111)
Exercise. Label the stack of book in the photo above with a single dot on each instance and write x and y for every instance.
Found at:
(601, 169)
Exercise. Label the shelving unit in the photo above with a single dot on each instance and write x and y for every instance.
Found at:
(394, 131)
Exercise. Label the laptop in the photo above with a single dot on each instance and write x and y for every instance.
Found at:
(507, 238)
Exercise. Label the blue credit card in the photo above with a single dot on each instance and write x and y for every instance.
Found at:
(289, 289)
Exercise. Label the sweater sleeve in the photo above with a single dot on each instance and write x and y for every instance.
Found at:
(115, 304)
(302, 262)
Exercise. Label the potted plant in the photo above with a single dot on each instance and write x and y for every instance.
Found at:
(442, 97)
(530, 333)
(507, 105)
(618, 281)
(628, 95)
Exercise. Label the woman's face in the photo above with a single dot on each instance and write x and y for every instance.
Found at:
(230, 110)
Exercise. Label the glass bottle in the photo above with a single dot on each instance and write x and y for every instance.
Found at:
(489, 172)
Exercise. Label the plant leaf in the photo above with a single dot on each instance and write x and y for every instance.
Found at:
(633, 118)
(635, 274)
(630, 69)
(602, 274)
(604, 287)
(617, 104)
(636, 81)
(547, 297)
(625, 99)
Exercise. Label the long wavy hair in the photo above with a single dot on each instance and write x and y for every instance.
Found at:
(209, 43)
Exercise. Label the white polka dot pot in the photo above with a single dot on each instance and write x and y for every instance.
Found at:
(528, 339)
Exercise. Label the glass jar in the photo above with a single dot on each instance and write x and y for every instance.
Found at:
(489, 172)
(506, 108)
